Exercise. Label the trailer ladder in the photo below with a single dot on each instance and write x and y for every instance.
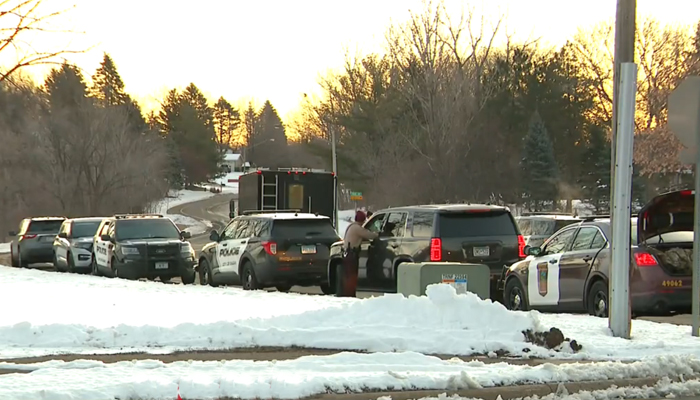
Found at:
(269, 196)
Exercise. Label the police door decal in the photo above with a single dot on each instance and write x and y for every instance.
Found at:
(226, 253)
(543, 280)
(101, 253)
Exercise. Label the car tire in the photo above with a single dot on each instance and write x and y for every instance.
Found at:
(56, 266)
(71, 264)
(163, 279)
(188, 278)
(21, 262)
(13, 258)
(283, 288)
(514, 296)
(327, 289)
(93, 266)
(597, 300)
(121, 275)
(205, 274)
(248, 279)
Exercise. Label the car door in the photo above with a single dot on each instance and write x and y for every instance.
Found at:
(543, 271)
(61, 244)
(224, 259)
(244, 231)
(109, 245)
(383, 252)
(375, 225)
(574, 267)
(100, 247)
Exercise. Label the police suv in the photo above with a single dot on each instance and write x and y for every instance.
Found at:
(134, 246)
(275, 248)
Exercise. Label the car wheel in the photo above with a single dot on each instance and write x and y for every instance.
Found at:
(118, 274)
(188, 278)
(205, 274)
(283, 288)
(327, 289)
(597, 299)
(248, 279)
(56, 266)
(514, 296)
(71, 264)
(93, 266)
(21, 262)
(13, 258)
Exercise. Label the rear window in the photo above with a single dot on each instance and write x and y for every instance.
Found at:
(84, 229)
(45, 226)
(468, 224)
(670, 237)
(303, 227)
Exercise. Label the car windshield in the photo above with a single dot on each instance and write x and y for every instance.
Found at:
(146, 229)
(542, 227)
(84, 229)
(467, 224)
(51, 226)
(303, 227)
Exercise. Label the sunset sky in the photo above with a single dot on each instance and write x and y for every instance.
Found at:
(276, 49)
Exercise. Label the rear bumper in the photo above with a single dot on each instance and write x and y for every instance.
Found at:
(37, 253)
(295, 273)
(661, 302)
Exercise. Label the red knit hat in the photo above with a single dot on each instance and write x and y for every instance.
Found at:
(360, 216)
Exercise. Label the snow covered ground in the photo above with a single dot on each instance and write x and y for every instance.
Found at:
(181, 197)
(308, 376)
(441, 323)
(229, 182)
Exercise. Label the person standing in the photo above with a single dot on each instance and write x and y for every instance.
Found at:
(354, 235)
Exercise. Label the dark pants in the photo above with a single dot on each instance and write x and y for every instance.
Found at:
(346, 278)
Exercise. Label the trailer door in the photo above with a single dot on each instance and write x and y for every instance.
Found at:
(295, 196)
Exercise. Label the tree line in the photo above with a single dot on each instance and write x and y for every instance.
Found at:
(444, 114)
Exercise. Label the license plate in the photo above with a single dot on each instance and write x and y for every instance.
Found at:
(161, 265)
(481, 251)
(308, 249)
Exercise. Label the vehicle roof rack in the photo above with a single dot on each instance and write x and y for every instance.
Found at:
(251, 212)
(47, 218)
(259, 170)
(124, 216)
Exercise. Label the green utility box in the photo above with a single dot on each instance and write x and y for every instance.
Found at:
(414, 278)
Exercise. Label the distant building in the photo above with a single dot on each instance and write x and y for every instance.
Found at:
(231, 162)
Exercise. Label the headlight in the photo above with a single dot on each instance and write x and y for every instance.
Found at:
(186, 249)
(129, 250)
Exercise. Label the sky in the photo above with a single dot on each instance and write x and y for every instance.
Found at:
(277, 49)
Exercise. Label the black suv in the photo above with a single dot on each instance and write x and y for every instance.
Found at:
(135, 246)
(468, 233)
(263, 249)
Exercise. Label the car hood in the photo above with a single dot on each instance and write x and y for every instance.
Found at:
(159, 241)
(668, 212)
(87, 239)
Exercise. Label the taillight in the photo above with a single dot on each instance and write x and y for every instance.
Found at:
(686, 192)
(521, 246)
(27, 237)
(270, 247)
(435, 249)
(645, 260)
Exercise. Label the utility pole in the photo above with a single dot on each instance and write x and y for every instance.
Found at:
(625, 29)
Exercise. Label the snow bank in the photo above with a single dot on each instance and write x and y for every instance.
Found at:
(441, 323)
(4, 248)
(305, 376)
(180, 197)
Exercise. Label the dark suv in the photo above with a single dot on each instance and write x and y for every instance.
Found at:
(135, 246)
(468, 233)
(33, 243)
(263, 249)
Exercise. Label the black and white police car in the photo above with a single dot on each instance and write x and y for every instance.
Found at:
(262, 249)
(134, 246)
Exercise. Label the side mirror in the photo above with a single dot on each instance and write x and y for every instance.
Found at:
(63, 235)
(532, 251)
(12, 233)
(185, 235)
(214, 236)
(106, 238)
(232, 215)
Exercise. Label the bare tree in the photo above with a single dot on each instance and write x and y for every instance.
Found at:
(21, 18)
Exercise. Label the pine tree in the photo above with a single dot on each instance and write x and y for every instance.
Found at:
(227, 120)
(539, 168)
(269, 145)
(595, 169)
(108, 91)
(194, 97)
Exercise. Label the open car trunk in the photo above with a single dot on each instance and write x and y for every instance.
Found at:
(665, 229)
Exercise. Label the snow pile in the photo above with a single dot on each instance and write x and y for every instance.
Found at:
(4, 248)
(180, 197)
(306, 376)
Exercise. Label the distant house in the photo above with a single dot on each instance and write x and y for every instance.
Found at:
(231, 161)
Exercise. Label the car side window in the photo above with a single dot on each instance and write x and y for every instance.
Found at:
(395, 224)
(64, 228)
(111, 230)
(230, 230)
(584, 238)
(599, 241)
(375, 223)
(558, 243)
(254, 228)
(242, 229)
